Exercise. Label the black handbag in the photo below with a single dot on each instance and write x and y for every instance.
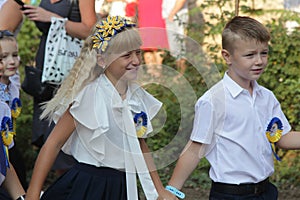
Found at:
(33, 85)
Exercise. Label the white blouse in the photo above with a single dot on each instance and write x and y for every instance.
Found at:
(104, 132)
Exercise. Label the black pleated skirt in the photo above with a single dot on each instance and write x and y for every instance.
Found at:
(87, 182)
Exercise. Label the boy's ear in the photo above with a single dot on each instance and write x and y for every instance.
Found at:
(100, 61)
(226, 55)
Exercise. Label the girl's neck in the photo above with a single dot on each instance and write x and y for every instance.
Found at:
(120, 85)
(4, 80)
(122, 89)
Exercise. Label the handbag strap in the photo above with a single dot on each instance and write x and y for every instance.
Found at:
(71, 8)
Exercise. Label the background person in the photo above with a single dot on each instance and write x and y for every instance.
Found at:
(153, 32)
(81, 18)
(175, 13)
(12, 161)
(11, 17)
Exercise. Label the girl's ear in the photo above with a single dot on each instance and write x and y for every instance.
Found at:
(100, 61)
(226, 55)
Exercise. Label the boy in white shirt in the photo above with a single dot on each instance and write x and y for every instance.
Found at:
(237, 120)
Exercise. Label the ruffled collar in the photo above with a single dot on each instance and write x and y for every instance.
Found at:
(4, 95)
(132, 95)
(137, 101)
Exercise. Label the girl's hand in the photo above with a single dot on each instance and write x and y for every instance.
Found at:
(35, 13)
(30, 197)
(166, 195)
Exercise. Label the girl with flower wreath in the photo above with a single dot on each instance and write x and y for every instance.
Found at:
(8, 177)
(102, 117)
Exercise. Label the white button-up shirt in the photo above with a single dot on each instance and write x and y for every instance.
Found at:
(233, 124)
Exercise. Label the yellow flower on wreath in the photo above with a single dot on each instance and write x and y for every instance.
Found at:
(111, 26)
(100, 42)
(108, 28)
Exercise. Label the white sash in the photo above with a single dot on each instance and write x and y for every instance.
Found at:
(134, 160)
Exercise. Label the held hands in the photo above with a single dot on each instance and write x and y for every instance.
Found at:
(166, 195)
(30, 197)
(35, 13)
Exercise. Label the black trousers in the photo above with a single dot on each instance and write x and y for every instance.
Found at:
(271, 193)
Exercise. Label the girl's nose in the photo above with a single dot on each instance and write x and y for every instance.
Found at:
(136, 58)
(11, 59)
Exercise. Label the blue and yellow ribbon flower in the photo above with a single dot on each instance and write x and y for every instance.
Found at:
(108, 28)
(16, 109)
(274, 133)
(7, 134)
(140, 120)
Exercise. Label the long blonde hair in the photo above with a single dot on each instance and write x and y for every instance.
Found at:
(85, 69)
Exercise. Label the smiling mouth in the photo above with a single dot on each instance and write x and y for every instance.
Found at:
(257, 70)
(131, 69)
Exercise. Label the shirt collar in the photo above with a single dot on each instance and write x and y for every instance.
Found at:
(235, 89)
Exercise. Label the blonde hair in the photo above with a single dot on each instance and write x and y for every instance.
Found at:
(245, 28)
(85, 69)
(9, 38)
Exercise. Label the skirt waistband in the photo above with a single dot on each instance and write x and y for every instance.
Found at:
(100, 171)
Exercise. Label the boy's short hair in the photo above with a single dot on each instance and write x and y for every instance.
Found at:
(245, 28)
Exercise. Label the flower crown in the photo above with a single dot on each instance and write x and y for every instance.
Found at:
(109, 28)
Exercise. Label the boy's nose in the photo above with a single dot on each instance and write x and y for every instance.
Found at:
(259, 60)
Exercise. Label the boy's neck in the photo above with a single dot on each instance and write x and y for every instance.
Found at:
(247, 85)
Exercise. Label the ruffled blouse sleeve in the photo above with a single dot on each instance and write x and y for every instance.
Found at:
(86, 106)
(90, 113)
